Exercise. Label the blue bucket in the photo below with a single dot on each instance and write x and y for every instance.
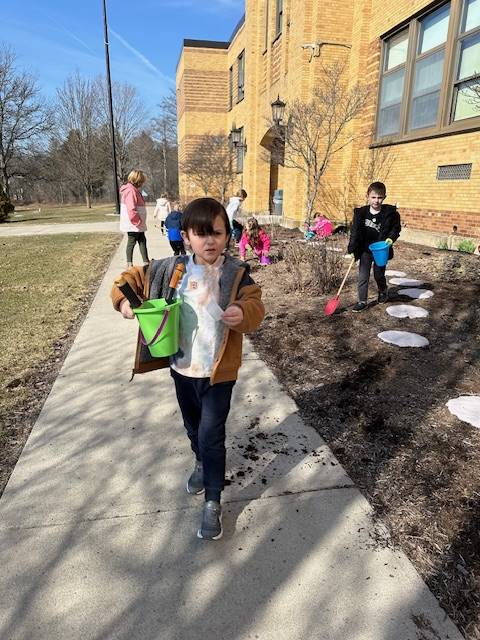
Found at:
(380, 251)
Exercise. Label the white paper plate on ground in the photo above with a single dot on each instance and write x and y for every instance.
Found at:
(398, 274)
(406, 311)
(403, 339)
(420, 294)
(466, 408)
(406, 282)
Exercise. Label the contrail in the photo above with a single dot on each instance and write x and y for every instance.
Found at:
(72, 35)
(140, 56)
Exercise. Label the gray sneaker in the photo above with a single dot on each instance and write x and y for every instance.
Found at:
(195, 481)
(211, 528)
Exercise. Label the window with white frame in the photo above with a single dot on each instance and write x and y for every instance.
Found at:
(430, 75)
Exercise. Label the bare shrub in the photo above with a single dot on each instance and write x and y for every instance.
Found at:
(316, 267)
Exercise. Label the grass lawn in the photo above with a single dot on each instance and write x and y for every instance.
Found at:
(45, 283)
(40, 214)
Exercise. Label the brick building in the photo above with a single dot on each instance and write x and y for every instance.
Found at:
(421, 61)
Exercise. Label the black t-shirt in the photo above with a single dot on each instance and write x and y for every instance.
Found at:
(372, 226)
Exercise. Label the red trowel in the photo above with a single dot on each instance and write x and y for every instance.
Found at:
(332, 304)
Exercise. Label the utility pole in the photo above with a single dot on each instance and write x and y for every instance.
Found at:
(110, 105)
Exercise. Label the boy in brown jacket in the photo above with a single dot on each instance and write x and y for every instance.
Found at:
(220, 302)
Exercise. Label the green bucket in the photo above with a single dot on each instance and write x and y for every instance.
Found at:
(159, 326)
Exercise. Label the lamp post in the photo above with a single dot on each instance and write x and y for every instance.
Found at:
(110, 106)
(278, 111)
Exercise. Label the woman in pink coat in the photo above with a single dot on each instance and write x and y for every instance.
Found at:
(133, 215)
(255, 237)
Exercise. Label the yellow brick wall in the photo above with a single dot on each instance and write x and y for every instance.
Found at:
(288, 70)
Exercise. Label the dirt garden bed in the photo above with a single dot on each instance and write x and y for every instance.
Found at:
(382, 409)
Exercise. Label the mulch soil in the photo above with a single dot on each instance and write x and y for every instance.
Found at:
(382, 409)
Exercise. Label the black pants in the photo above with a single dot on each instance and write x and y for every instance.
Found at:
(237, 231)
(178, 247)
(205, 410)
(133, 238)
(365, 264)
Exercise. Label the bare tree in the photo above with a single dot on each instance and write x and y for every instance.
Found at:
(145, 153)
(24, 117)
(210, 165)
(319, 129)
(78, 119)
(129, 117)
(6, 207)
(164, 130)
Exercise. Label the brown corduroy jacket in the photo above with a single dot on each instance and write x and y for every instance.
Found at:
(236, 287)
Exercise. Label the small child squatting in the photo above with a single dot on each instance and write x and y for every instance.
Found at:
(221, 302)
(371, 223)
(254, 236)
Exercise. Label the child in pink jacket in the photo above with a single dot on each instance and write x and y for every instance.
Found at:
(133, 215)
(255, 237)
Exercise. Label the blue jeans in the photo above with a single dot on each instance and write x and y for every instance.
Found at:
(205, 409)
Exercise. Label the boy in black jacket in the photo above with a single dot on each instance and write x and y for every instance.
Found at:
(376, 221)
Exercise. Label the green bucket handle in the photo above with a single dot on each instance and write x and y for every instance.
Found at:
(158, 332)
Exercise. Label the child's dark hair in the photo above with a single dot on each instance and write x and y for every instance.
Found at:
(199, 216)
(378, 187)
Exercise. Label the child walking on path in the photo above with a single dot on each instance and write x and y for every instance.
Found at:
(173, 225)
(133, 215)
(220, 302)
(255, 237)
(161, 211)
(371, 223)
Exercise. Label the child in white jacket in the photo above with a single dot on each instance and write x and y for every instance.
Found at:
(162, 209)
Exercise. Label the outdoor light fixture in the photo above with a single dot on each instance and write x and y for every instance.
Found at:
(236, 138)
(278, 110)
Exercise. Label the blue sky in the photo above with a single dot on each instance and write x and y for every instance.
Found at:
(53, 38)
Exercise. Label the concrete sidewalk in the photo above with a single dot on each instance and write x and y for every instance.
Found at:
(58, 227)
(97, 533)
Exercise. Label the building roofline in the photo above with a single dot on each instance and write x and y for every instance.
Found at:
(202, 44)
(206, 44)
(212, 44)
(238, 26)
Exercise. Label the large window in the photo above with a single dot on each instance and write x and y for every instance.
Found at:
(428, 68)
(279, 18)
(430, 75)
(466, 94)
(241, 77)
(393, 81)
